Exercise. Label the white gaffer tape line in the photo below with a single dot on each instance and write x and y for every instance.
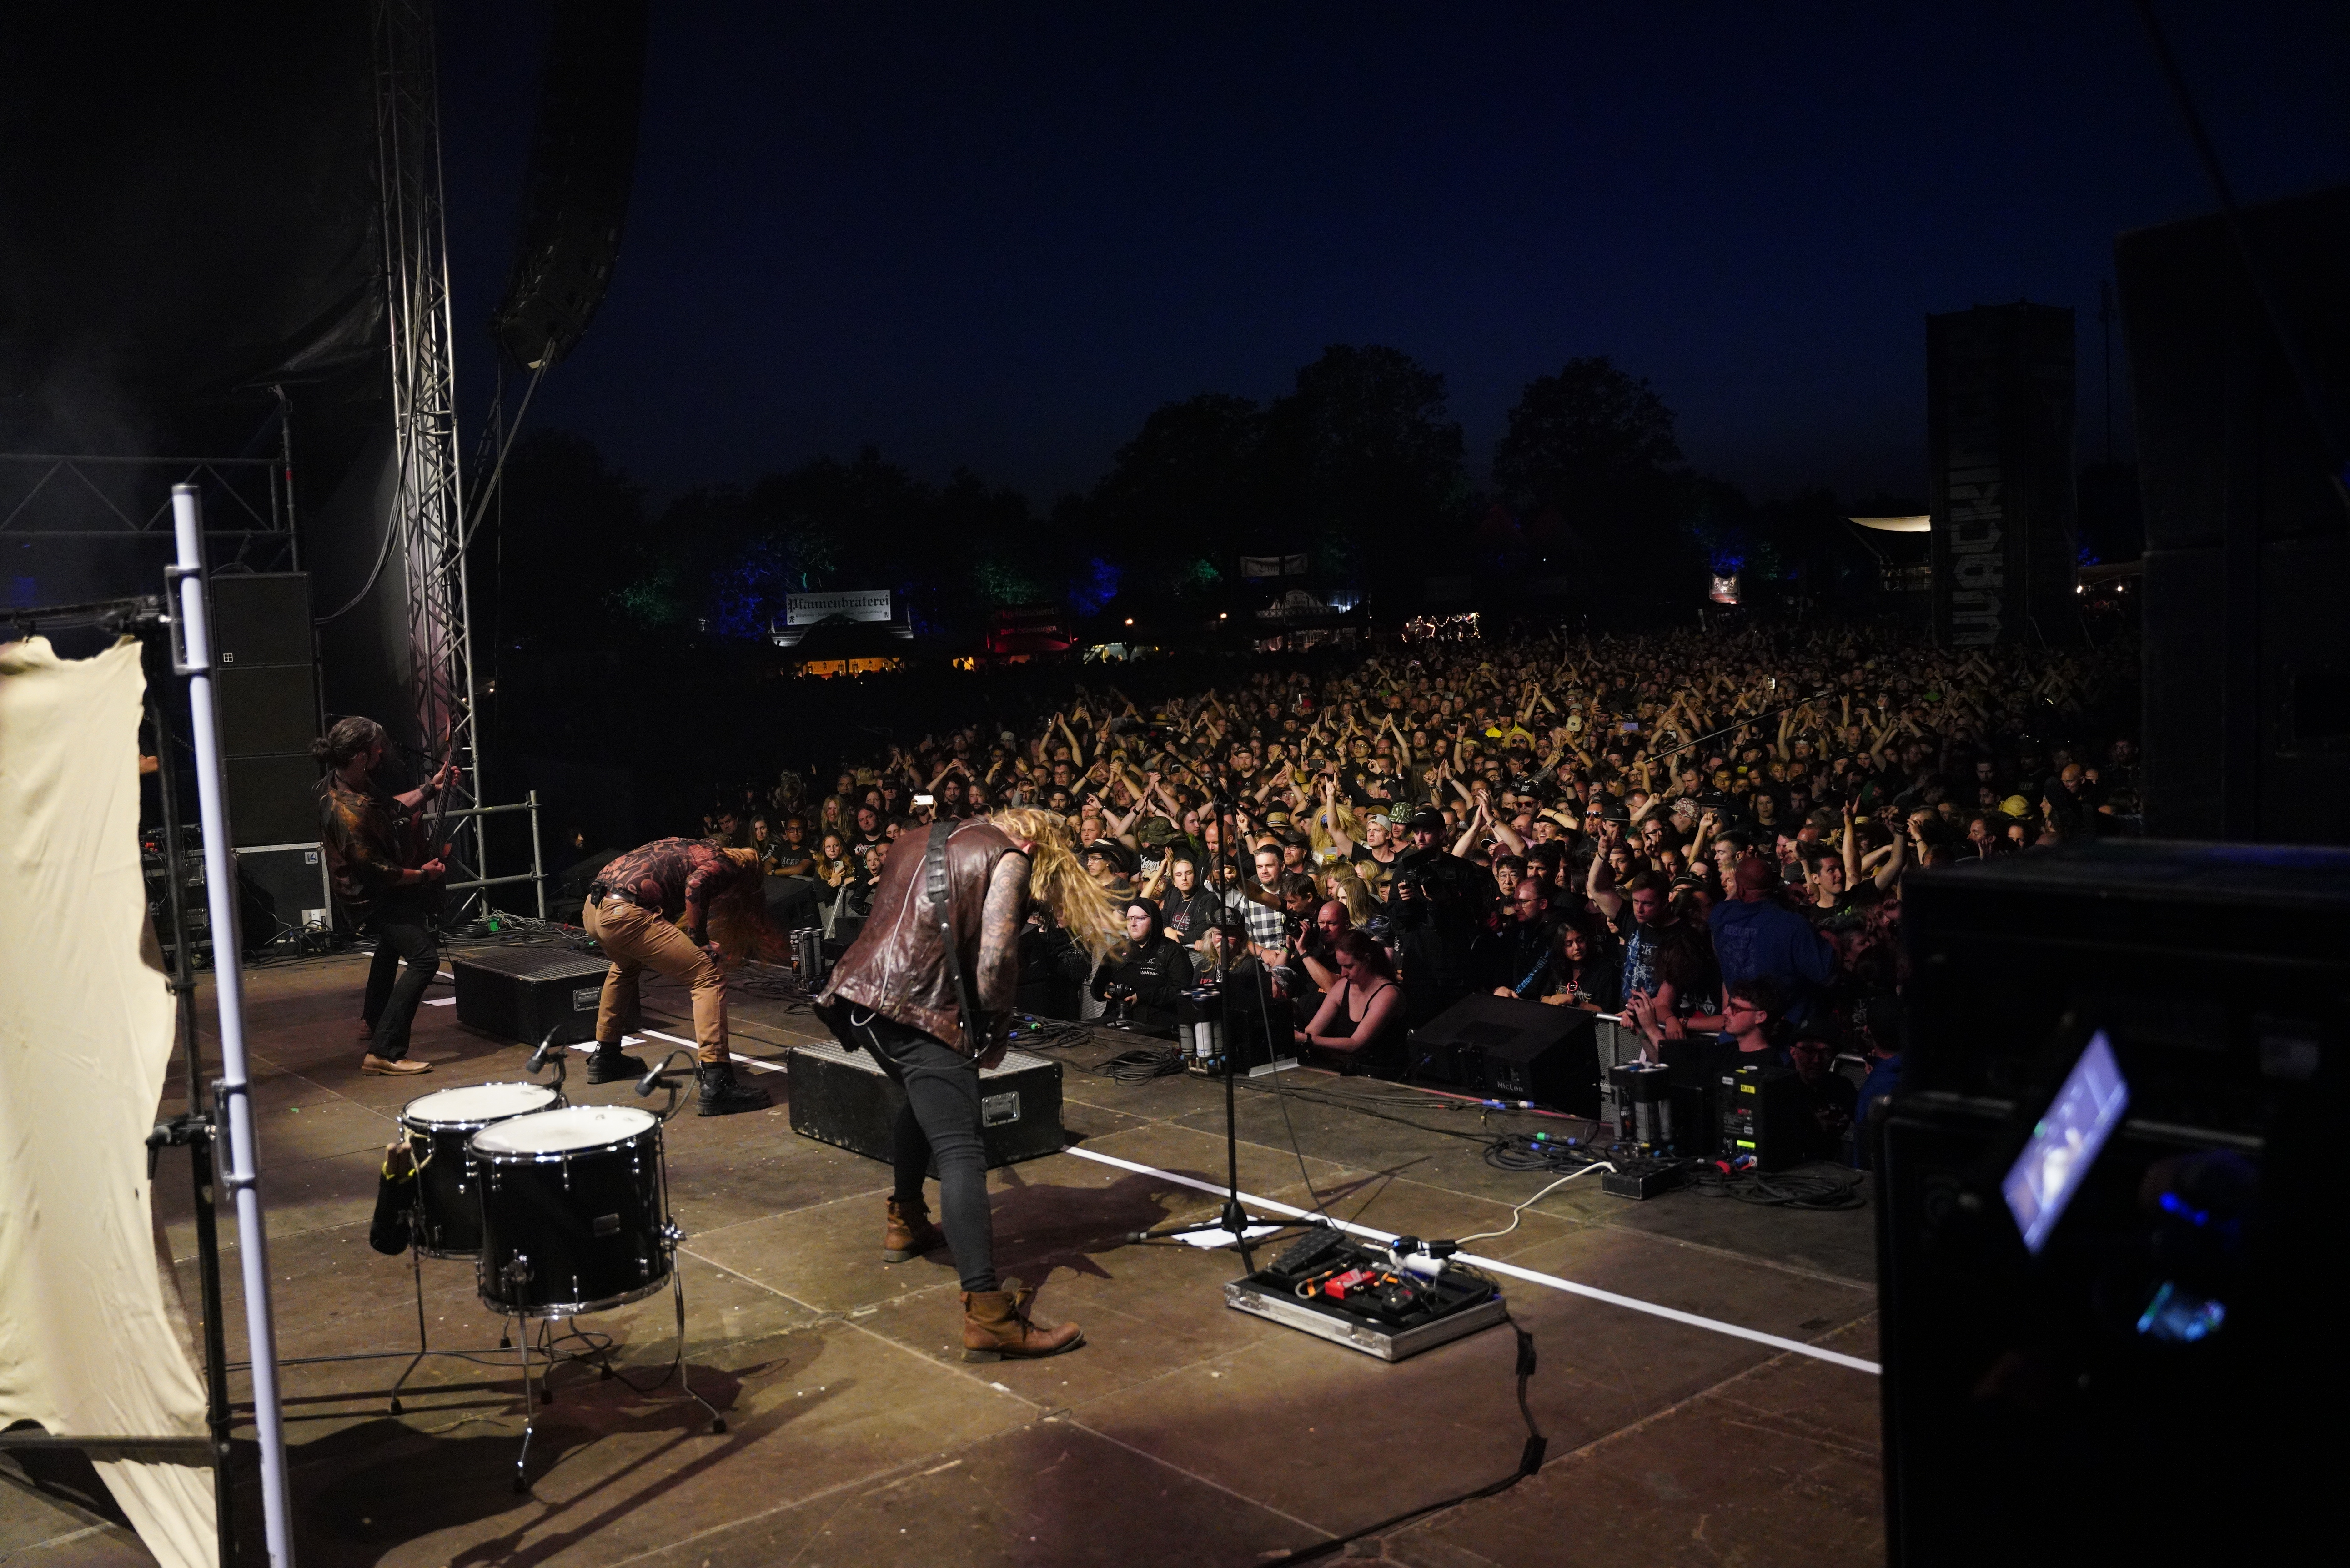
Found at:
(638, 1038)
(1794, 1347)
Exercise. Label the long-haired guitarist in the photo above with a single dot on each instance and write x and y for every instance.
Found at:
(929, 987)
(388, 881)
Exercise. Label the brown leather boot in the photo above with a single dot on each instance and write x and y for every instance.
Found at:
(910, 1233)
(995, 1324)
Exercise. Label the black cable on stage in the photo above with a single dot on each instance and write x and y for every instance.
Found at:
(1140, 1067)
(1827, 1189)
(1530, 1462)
(1521, 1151)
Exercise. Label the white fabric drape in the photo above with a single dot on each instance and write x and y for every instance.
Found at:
(85, 1034)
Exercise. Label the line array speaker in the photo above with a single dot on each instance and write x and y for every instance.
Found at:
(267, 685)
(2247, 732)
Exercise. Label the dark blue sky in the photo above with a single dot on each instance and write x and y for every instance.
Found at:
(998, 237)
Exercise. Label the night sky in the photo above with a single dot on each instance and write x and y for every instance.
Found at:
(997, 237)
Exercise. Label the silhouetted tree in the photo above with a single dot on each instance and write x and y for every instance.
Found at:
(1187, 494)
(1594, 447)
(1363, 465)
(564, 537)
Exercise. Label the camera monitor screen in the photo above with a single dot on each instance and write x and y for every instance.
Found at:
(2064, 1143)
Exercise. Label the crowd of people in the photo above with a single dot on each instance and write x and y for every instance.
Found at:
(1704, 835)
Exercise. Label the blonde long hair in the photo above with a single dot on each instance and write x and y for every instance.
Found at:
(1350, 892)
(1057, 879)
(1318, 836)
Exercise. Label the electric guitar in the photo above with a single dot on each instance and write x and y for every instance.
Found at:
(425, 846)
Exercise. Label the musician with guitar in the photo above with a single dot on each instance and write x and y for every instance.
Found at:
(385, 858)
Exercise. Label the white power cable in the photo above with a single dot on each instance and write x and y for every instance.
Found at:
(1519, 1213)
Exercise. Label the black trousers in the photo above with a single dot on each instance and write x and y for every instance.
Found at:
(402, 929)
(940, 1121)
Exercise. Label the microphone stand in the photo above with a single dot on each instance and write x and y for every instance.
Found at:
(1233, 1219)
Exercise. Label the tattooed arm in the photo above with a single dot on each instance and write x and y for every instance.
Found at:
(999, 957)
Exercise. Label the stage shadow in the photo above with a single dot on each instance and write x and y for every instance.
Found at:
(367, 1490)
(1041, 1227)
(67, 1475)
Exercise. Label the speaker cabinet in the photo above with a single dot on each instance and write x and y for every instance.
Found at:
(282, 891)
(271, 799)
(267, 708)
(261, 617)
(2046, 1406)
(266, 681)
(2245, 656)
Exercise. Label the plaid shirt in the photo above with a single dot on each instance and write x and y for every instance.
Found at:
(679, 876)
(1265, 926)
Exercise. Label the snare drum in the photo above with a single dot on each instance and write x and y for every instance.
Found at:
(447, 1190)
(575, 1211)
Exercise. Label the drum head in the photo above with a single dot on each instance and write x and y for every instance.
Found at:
(477, 1104)
(555, 1132)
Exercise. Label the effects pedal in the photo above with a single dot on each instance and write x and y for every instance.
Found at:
(1351, 1292)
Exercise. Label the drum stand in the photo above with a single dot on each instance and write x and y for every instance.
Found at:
(535, 1392)
(415, 1357)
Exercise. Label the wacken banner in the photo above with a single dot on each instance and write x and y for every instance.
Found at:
(1999, 415)
(1272, 565)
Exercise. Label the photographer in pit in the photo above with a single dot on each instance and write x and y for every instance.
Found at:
(1314, 950)
(1138, 988)
(1439, 903)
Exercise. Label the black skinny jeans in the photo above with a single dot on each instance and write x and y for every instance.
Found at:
(403, 930)
(940, 1119)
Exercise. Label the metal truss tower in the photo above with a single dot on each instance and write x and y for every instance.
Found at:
(428, 511)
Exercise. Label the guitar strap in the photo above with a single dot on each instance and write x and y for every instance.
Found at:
(934, 883)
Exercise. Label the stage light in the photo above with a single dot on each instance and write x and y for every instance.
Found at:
(1223, 615)
(1129, 620)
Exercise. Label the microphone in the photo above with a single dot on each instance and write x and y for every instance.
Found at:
(547, 1048)
(653, 1080)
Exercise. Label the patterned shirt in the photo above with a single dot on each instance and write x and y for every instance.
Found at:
(679, 876)
(1639, 962)
(363, 856)
(1266, 928)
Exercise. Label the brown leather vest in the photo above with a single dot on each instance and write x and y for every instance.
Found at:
(896, 967)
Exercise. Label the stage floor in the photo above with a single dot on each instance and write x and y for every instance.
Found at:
(1182, 1433)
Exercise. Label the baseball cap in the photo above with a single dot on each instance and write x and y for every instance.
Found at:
(2016, 806)
(1426, 820)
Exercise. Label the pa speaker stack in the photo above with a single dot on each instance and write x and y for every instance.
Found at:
(1503, 1048)
(2247, 729)
(267, 678)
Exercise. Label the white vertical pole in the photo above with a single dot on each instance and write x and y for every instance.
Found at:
(238, 1171)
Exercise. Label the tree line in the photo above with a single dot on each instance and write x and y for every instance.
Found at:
(1359, 465)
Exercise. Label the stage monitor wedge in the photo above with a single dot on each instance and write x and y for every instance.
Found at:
(1510, 1049)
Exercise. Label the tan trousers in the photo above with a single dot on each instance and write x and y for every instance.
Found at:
(637, 939)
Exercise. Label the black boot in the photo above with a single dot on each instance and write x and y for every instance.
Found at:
(608, 1066)
(722, 1097)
